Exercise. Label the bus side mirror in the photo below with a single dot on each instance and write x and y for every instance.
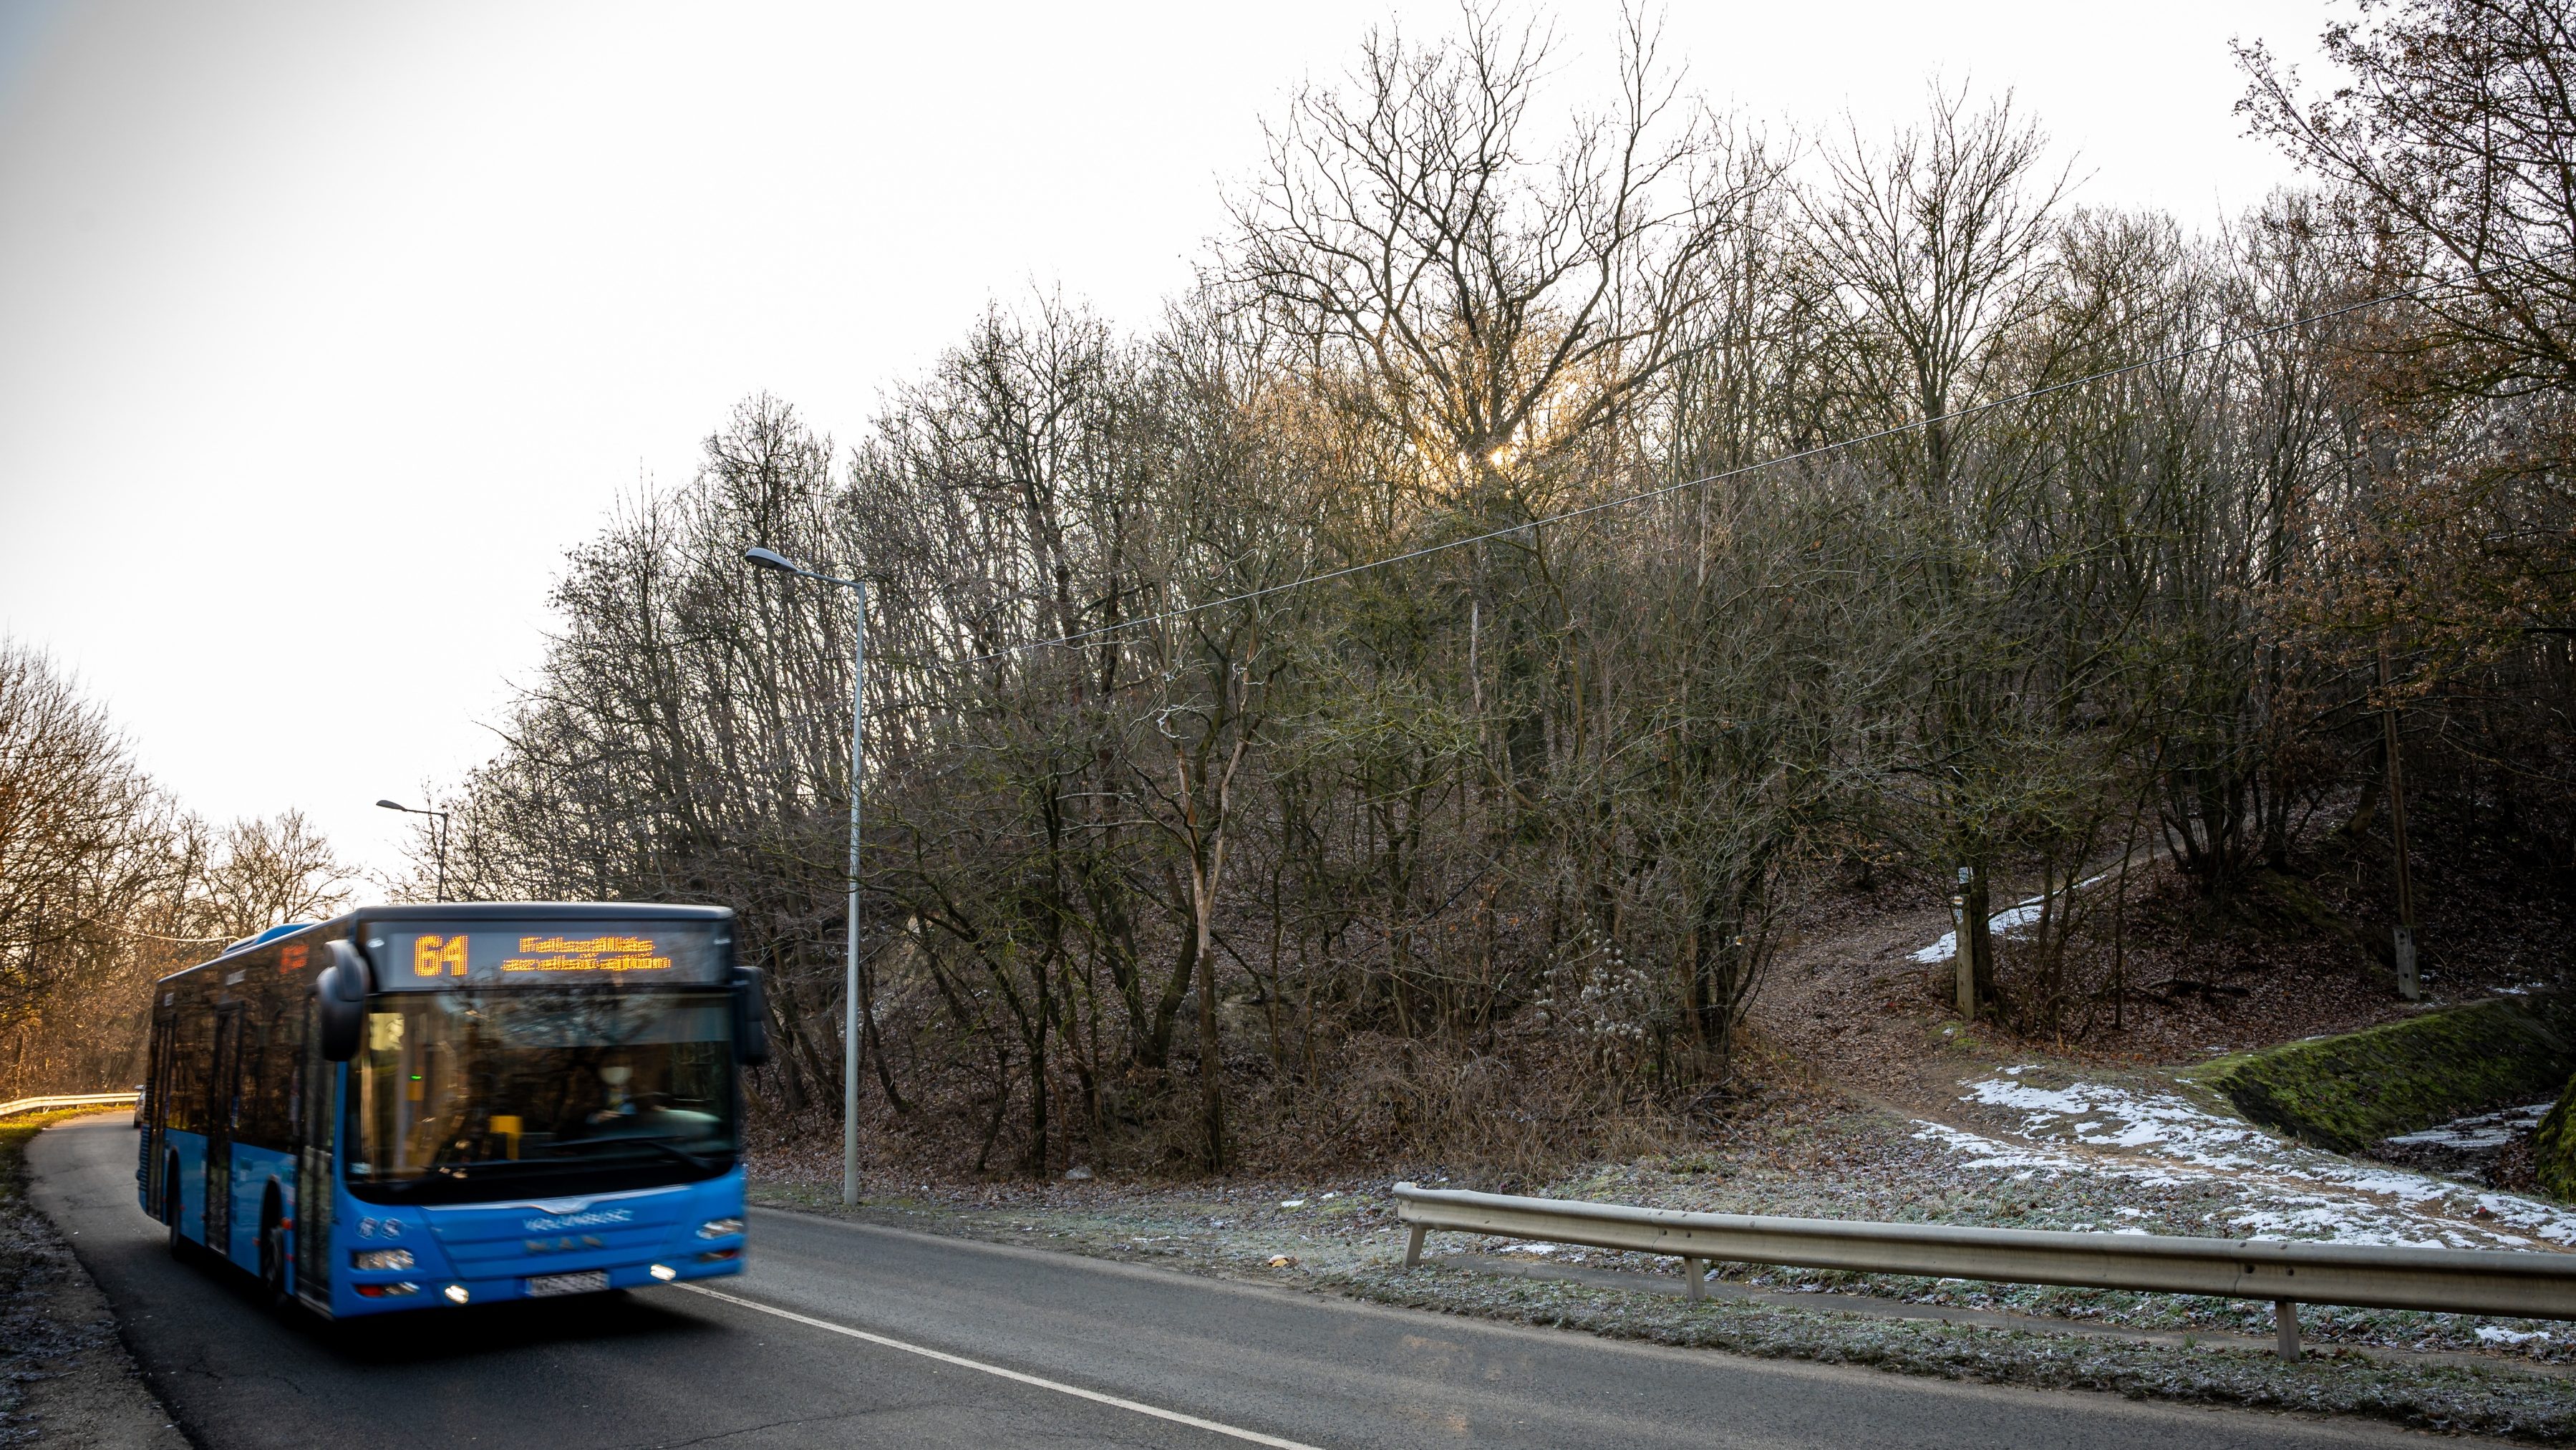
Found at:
(750, 1018)
(342, 993)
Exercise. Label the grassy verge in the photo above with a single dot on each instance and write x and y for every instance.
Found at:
(2474, 1399)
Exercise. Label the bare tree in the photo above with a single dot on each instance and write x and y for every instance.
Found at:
(105, 884)
(1261, 769)
(1936, 244)
(271, 872)
(1490, 306)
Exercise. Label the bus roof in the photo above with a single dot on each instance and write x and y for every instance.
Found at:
(541, 911)
(272, 934)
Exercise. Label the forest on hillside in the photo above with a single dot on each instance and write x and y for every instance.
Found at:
(1563, 548)
(107, 881)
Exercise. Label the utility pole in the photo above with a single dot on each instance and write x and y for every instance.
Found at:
(850, 1024)
(2410, 983)
(438, 837)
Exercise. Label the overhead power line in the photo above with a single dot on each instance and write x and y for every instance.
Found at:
(1818, 451)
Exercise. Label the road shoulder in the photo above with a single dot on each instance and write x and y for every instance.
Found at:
(67, 1381)
(1351, 1248)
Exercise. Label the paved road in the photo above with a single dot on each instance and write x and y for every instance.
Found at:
(820, 1344)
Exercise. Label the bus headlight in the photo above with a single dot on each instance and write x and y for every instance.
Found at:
(381, 1259)
(719, 1228)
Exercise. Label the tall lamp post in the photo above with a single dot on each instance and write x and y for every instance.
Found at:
(439, 835)
(765, 559)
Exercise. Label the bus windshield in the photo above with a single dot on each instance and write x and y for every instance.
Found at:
(469, 1092)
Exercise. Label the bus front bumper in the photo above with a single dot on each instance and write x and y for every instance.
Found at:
(390, 1293)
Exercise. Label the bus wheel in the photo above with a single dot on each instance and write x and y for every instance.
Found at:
(170, 1213)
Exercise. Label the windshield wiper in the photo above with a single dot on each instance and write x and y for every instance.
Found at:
(658, 1145)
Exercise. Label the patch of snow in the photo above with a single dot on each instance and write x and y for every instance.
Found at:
(2003, 923)
(2022, 1095)
(2017, 918)
(1526, 1249)
(1292, 1203)
(2497, 1334)
(1984, 1152)
(2282, 1189)
(2486, 1130)
(2007, 921)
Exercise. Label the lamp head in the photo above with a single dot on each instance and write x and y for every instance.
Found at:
(393, 806)
(767, 559)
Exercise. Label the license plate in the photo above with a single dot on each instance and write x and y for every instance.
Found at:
(589, 1281)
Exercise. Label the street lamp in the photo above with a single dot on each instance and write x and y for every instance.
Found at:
(766, 559)
(439, 836)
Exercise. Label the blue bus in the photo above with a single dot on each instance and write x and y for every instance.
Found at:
(429, 1106)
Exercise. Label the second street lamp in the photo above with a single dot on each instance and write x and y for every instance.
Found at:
(437, 834)
(768, 559)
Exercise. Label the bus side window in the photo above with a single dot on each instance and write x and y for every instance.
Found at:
(268, 1078)
(223, 1080)
(157, 1068)
(187, 1072)
(277, 1088)
(247, 1047)
(202, 1034)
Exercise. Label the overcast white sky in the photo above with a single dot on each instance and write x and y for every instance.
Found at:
(326, 327)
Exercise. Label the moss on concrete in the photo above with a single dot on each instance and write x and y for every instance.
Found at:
(2350, 1091)
(2553, 1148)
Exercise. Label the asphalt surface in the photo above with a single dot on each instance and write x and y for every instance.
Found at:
(1022, 1336)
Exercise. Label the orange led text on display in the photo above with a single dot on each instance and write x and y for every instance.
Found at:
(430, 956)
(586, 954)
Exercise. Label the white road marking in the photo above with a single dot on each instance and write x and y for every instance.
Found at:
(1175, 1416)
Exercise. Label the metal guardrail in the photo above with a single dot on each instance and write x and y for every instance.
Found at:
(73, 1100)
(2516, 1283)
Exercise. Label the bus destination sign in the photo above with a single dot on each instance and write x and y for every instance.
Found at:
(497, 954)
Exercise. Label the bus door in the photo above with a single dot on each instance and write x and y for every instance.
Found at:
(317, 1117)
(223, 1097)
